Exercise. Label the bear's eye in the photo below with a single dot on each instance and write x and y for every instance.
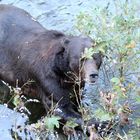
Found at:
(98, 60)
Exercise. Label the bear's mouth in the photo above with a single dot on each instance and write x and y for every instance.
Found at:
(91, 79)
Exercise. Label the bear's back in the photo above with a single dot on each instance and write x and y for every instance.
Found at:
(16, 23)
(13, 16)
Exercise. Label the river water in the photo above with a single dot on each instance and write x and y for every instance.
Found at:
(58, 14)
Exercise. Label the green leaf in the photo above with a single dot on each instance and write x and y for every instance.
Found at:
(16, 100)
(52, 122)
(71, 123)
(115, 80)
(137, 121)
(88, 53)
(138, 99)
(102, 115)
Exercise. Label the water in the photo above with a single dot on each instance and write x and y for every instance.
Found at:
(58, 14)
(10, 122)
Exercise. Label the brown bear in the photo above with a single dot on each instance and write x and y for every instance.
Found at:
(50, 58)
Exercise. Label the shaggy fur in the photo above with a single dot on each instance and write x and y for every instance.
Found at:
(30, 52)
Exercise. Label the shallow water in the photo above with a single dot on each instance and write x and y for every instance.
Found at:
(10, 122)
(58, 14)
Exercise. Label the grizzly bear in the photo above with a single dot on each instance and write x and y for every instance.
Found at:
(50, 58)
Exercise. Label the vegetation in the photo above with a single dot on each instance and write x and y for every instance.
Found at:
(117, 36)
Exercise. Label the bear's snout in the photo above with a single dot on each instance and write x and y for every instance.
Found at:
(93, 77)
(90, 71)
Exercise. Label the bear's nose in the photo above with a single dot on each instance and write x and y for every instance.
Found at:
(94, 76)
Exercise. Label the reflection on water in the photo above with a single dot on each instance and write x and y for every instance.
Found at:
(58, 14)
(12, 125)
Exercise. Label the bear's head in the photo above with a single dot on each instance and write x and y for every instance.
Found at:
(73, 49)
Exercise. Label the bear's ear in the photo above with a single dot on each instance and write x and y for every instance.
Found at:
(64, 42)
(57, 34)
(63, 45)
